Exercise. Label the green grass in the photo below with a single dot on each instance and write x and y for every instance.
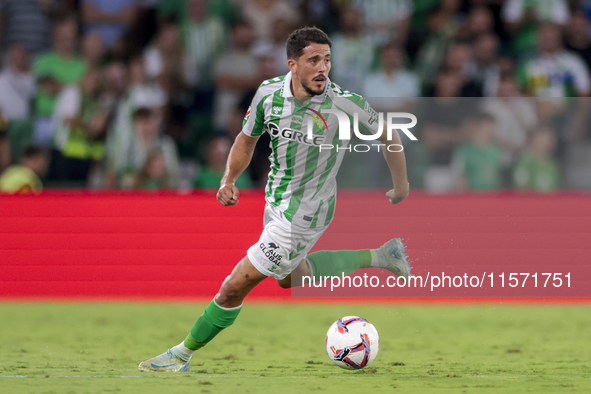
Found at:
(95, 348)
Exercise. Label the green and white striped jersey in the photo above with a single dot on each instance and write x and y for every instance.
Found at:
(302, 181)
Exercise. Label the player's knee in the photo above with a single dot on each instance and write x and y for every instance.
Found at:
(230, 291)
(284, 284)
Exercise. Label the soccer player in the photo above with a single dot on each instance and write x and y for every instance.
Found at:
(300, 193)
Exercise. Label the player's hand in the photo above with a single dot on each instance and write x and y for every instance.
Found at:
(228, 194)
(398, 195)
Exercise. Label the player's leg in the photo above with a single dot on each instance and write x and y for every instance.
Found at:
(218, 315)
(296, 277)
(223, 310)
(390, 256)
(327, 263)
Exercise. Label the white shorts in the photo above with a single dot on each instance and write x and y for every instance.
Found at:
(281, 247)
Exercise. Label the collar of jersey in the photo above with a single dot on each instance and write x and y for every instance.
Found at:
(286, 89)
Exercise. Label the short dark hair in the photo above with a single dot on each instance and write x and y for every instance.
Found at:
(142, 113)
(33, 151)
(301, 38)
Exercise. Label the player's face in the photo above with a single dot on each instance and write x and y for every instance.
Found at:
(312, 68)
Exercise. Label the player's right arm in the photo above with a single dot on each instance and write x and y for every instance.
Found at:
(238, 160)
(243, 148)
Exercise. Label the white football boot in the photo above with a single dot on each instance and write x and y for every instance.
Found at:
(392, 257)
(166, 362)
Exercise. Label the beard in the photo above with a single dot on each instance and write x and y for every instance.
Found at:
(311, 91)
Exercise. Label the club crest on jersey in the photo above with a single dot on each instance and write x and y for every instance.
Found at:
(297, 119)
(277, 110)
(294, 135)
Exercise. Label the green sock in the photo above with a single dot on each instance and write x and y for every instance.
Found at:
(210, 323)
(338, 262)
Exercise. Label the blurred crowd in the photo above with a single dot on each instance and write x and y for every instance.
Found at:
(151, 93)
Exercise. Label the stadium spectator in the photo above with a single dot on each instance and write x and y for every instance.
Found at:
(17, 84)
(44, 102)
(108, 18)
(442, 26)
(93, 50)
(522, 17)
(578, 38)
(259, 163)
(29, 22)
(394, 87)
(164, 61)
(204, 37)
(144, 91)
(484, 67)
(212, 173)
(24, 177)
(61, 65)
(386, 20)
(139, 93)
(455, 68)
(262, 14)
(537, 169)
(390, 89)
(458, 60)
(276, 45)
(80, 123)
(477, 163)
(480, 20)
(236, 72)
(352, 51)
(147, 137)
(515, 117)
(442, 131)
(554, 71)
(266, 70)
(153, 174)
(115, 85)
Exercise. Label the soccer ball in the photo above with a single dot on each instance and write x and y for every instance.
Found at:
(352, 342)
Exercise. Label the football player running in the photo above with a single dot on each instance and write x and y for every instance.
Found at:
(301, 190)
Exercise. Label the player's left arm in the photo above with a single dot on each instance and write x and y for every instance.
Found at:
(397, 165)
(368, 118)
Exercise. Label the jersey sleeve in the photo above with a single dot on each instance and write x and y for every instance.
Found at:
(254, 121)
(368, 119)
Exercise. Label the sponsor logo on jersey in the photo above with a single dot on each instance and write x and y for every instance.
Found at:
(295, 135)
(277, 110)
(269, 252)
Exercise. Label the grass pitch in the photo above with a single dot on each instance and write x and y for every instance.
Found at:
(95, 348)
